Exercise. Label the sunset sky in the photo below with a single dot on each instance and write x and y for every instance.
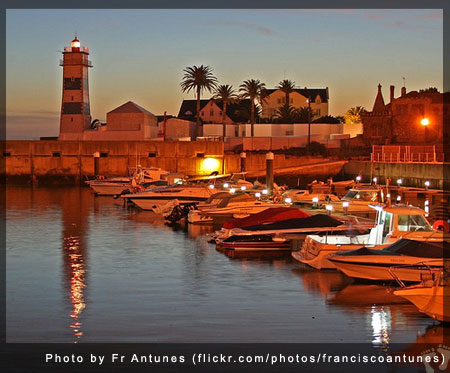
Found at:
(139, 55)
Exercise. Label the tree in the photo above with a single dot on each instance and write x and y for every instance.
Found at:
(256, 92)
(429, 90)
(198, 79)
(286, 86)
(353, 115)
(286, 114)
(327, 119)
(304, 115)
(226, 95)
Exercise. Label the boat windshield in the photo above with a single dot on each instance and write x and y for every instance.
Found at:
(361, 195)
(407, 223)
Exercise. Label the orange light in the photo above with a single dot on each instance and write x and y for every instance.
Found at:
(425, 122)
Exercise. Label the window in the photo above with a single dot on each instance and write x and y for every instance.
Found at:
(152, 155)
(203, 113)
(103, 155)
(200, 155)
(387, 223)
(211, 112)
(56, 154)
(7, 154)
(72, 108)
(413, 223)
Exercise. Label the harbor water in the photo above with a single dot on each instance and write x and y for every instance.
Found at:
(87, 269)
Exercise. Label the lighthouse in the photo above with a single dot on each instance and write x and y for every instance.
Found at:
(75, 108)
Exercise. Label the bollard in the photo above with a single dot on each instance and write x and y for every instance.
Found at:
(243, 160)
(269, 172)
(96, 163)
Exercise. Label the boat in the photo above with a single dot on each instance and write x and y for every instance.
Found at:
(277, 235)
(405, 260)
(430, 297)
(392, 223)
(236, 206)
(140, 179)
(153, 199)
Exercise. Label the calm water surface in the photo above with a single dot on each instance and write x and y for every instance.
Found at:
(86, 269)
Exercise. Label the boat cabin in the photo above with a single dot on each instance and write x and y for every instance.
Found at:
(394, 222)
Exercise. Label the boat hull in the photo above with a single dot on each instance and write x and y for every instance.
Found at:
(432, 301)
(387, 268)
(109, 189)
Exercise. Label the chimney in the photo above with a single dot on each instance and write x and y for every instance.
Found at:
(392, 94)
(403, 91)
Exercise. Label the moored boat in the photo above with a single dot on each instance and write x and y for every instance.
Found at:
(392, 223)
(430, 297)
(405, 260)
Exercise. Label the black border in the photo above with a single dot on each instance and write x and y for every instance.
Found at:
(28, 357)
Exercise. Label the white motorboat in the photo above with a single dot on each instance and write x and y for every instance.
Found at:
(237, 206)
(154, 199)
(392, 223)
(430, 297)
(405, 260)
(117, 185)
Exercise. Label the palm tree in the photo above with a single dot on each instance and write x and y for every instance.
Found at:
(353, 115)
(304, 115)
(198, 78)
(287, 86)
(225, 93)
(255, 91)
(286, 114)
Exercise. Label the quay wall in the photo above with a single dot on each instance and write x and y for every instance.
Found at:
(69, 162)
(412, 174)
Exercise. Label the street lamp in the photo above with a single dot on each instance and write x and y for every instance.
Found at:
(425, 122)
(308, 100)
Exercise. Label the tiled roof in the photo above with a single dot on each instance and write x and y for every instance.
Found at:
(129, 107)
(307, 92)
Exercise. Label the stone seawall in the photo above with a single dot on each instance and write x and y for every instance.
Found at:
(412, 174)
(71, 162)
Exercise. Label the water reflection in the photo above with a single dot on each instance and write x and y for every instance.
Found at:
(75, 212)
(381, 322)
(321, 282)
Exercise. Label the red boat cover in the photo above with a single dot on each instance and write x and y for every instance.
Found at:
(271, 215)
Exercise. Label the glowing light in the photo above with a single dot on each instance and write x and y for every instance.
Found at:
(427, 183)
(243, 187)
(388, 195)
(226, 185)
(265, 191)
(209, 165)
(76, 43)
(399, 198)
(425, 122)
(258, 195)
(315, 199)
(345, 204)
(375, 179)
(427, 202)
(232, 190)
(288, 200)
(211, 186)
(399, 181)
(358, 178)
(329, 207)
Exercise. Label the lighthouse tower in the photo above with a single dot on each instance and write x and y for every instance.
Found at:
(75, 109)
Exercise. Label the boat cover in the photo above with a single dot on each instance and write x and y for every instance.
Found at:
(314, 221)
(420, 249)
(267, 216)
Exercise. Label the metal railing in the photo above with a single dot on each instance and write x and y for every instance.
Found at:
(406, 154)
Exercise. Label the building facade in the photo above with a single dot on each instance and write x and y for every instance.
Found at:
(412, 118)
(298, 99)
